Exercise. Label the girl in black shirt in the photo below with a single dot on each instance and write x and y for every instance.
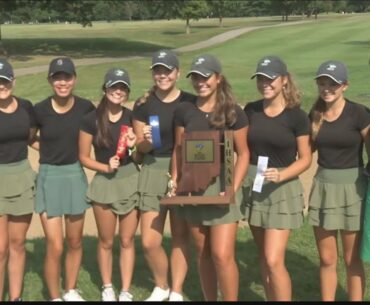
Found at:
(336, 205)
(61, 182)
(278, 130)
(161, 101)
(17, 187)
(113, 190)
(213, 227)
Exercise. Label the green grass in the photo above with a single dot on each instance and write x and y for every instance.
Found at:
(303, 47)
(301, 260)
(27, 44)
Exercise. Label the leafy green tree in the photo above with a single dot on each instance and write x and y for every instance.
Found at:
(221, 8)
(359, 6)
(188, 9)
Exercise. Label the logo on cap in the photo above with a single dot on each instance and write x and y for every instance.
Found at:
(331, 67)
(119, 72)
(199, 61)
(266, 62)
(60, 62)
(162, 54)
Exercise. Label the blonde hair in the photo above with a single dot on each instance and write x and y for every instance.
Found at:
(291, 93)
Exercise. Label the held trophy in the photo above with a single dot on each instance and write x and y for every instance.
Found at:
(204, 159)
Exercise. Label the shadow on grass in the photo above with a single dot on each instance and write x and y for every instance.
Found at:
(24, 49)
(304, 273)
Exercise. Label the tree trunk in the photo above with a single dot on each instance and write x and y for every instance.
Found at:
(187, 25)
(220, 19)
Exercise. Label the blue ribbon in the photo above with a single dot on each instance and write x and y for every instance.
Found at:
(156, 133)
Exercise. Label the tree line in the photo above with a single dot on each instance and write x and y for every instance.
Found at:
(85, 12)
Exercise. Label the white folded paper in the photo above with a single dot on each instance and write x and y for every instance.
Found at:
(261, 167)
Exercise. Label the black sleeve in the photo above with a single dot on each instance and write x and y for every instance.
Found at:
(27, 105)
(88, 123)
(302, 123)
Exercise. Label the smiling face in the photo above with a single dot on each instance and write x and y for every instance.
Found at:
(329, 90)
(270, 89)
(62, 84)
(6, 88)
(164, 78)
(205, 87)
(117, 94)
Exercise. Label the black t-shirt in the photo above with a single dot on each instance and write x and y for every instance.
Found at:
(103, 154)
(275, 137)
(165, 112)
(189, 116)
(15, 131)
(339, 143)
(59, 132)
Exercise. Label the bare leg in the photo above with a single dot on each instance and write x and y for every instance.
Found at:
(152, 225)
(74, 230)
(354, 266)
(326, 242)
(4, 245)
(180, 252)
(53, 229)
(206, 268)
(18, 227)
(106, 224)
(127, 228)
(223, 254)
(259, 238)
(276, 242)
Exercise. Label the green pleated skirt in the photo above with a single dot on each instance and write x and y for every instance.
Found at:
(336, 199)
(17, 188)
(119, 190)
(61, 190)
(212, 214)
(278, 206)
(153, 181)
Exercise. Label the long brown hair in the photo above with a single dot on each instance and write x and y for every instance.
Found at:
(317, 117)
(224, 113)
(291, 93)
(103, 136)
(144, 98)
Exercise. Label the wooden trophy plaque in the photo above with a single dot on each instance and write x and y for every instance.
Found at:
(201, 164)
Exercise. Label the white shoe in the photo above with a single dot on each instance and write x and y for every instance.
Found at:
(175, 297)
(125, 296)
(108, 294)
(159, 294)
(73, 295)
(56, 300)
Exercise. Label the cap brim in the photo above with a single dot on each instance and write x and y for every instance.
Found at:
(264, 74)
(162, 64)
(118, 81)
(202, 73)
(62, 71)
(6, 77)
(331, 77)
